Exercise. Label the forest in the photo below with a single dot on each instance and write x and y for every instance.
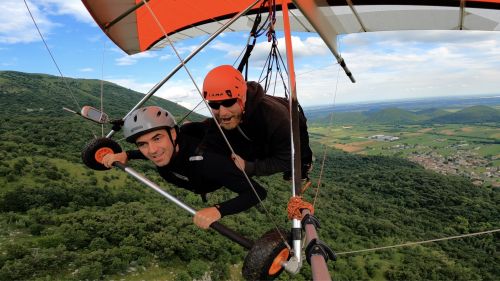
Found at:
(59, 220)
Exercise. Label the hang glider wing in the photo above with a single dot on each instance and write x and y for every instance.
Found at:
(133, 28)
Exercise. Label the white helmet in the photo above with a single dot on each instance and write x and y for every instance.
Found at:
(147, 119)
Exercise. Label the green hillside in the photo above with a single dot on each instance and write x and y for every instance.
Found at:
(432, 112)
(62, 221)
(473, 114)
(340, 118)
(392, 116)
(469, 115)
(46, 95)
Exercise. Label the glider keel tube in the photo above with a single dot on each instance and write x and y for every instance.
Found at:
(234, 236)
(319, 21)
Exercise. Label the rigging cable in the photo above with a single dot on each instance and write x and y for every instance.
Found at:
(274, 60)
(256, 31)
(102, 84)
(324, 145)
(63, 78)
(302, 73)
(168, 39)
(50, 53)
(420, 242)
(191, 111)
(213, 116)
(407, 244)
(318, 184)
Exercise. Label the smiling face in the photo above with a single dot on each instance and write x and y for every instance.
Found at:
(156, 146)
(228, 113)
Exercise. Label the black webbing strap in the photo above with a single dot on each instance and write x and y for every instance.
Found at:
(246, 56)
(253, 33)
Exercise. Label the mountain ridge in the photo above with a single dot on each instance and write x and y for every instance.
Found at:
(25, 91)
(472, 114)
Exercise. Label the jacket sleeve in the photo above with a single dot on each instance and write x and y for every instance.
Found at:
(277, 143)
(219, 170)
(135, 154)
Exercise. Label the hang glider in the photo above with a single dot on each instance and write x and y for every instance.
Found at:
(140, 25)
(132, 27)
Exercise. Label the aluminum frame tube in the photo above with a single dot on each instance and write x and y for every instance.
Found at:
(227, 232)
(294, 132)
(156, 187)
(187, 59)
(310, 10)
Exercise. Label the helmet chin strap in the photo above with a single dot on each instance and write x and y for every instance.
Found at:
(174, 142)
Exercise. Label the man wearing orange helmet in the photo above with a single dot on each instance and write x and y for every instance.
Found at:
(256, 125)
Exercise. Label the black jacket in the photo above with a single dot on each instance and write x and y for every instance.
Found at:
(207, 171)
(263, 137)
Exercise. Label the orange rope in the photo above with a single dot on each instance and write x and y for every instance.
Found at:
(306, 185)
(295, 205)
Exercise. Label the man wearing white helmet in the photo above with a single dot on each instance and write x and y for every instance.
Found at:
(173, 150)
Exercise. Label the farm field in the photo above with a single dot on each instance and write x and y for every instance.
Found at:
(472, 151)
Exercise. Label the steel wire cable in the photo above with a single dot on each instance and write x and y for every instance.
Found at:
(407, 244)
(268, 214)
(63, 78)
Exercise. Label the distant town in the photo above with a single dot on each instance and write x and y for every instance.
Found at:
(464, 161)
(460, 163)
(383, 138)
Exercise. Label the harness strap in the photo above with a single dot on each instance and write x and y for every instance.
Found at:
(255, 32)
(243, 133)
(199, 157)
(246, 56)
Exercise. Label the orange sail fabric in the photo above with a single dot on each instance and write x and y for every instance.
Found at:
(182, 19)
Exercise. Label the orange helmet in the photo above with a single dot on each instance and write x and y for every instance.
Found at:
(224, 82)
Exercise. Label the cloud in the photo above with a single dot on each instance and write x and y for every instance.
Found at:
(75, 9)
(231, 50)
(12, 61)
(16, 25)
(307, 47)
(86, 69)
(132, 84)
(302, 47)
(387, 66)
(166, 57)
(180, 48)
(133, 59)
(182, 92)
(418, 38)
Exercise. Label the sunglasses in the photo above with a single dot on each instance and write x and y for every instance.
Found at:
(225, 103)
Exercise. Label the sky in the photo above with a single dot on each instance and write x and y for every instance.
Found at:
(386, 65)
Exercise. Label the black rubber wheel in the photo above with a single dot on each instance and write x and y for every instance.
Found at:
(96, 149)
(263, 261)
